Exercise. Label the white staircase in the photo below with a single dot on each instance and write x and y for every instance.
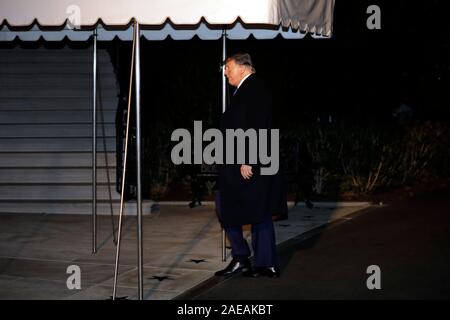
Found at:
(46, 131)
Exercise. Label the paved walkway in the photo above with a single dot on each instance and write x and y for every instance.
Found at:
(408, 241)
(182, 250)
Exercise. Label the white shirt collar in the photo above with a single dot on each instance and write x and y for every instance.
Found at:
(243, 79)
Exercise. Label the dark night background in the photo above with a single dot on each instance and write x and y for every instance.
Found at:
(359, 78)
(357, 73)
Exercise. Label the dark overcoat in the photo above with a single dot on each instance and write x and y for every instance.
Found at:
(248, 201)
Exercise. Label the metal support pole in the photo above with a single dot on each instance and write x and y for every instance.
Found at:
(224, 106)
(138, 162)
(124, 168)
(94, 148)
(224, 81)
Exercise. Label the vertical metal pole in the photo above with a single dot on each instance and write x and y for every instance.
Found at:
(224, 106)
(124, 168)
(224, 81)
(94, 148)
(138, 161)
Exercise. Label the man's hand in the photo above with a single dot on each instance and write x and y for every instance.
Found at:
(246, 171)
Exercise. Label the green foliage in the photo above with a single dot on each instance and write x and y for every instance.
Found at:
(364, 157)
(347, 157)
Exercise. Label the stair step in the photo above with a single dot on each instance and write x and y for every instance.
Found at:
(57, 103)
(52, 92)
(60, 192)
(56, 144)
(56, 52)
(55, 130)
(55, 59)
(61, 69)
(56, 160)
(75, 208)
(55, 175)
(60, 116)
(42, 80)
(57, 88)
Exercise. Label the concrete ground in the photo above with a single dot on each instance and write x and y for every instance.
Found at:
(409, 241)
(182, 250)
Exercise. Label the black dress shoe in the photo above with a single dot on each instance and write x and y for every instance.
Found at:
(234, 267)
(280, 217)
(270, 272)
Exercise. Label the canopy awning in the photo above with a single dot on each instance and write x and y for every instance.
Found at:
(179, 19)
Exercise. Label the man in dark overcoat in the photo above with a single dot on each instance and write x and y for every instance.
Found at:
(245, 195)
